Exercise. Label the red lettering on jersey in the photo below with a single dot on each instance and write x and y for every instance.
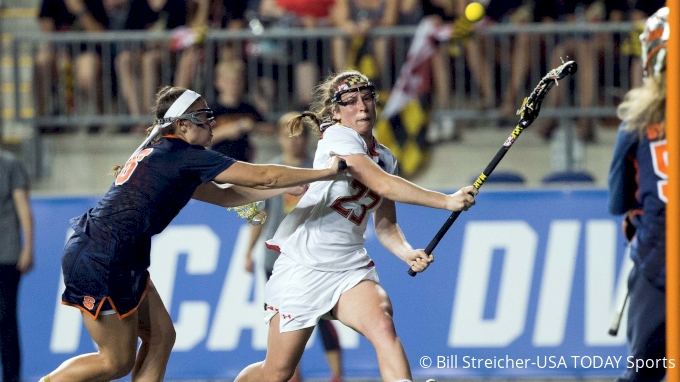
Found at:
(354, 216)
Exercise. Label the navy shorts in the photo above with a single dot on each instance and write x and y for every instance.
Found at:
(95, 283)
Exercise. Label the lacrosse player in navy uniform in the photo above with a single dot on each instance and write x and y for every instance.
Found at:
(638, 180)
(106, 259)
(323, 269)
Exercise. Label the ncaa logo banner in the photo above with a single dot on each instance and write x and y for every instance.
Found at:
(524, 285)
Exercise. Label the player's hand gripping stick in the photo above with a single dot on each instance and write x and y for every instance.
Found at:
(528, 113)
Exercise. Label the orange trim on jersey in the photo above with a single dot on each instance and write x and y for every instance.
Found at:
(171, 136)
(654, 132)
(94, 317)
(101, 303)
(637, 211)
(654, 34)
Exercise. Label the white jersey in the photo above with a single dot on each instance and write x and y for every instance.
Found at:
(326, 229)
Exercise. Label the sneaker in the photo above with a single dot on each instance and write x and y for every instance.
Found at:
(434, 134)
(448, 128)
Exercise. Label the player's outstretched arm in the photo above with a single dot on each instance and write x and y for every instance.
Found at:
(392, 238)
(233, 195)
(401, 190)
(267, 176)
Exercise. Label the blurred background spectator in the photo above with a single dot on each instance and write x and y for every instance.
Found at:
(444, 12)
(306, 55)
(356, 49)
(87, 72)
(16, 257)
(517, 12)
(645, 8)
(235, 117)
(53, 61)
(584, 49)
(487, 73)
(138, 66)
(194, 66)
(79, 66)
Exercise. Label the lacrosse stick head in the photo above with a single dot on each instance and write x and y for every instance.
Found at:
(532, 104)
(253, 212)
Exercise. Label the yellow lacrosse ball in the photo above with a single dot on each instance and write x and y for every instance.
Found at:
(474, 12)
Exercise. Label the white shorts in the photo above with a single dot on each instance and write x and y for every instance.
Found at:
(303, 295)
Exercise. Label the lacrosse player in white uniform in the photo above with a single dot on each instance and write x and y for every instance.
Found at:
(323, 268)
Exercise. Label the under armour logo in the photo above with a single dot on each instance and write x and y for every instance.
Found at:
(286, 316)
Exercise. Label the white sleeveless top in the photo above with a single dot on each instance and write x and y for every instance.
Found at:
(326, 229)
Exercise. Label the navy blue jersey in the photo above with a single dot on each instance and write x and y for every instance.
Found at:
(151, 189)
(638, 181)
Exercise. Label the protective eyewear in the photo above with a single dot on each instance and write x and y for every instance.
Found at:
(365, 95)
(197, 117)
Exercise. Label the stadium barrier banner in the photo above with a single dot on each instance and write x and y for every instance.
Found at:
(524, 285)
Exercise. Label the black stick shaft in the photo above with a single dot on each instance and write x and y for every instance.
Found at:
(528, 112)
(478, 183)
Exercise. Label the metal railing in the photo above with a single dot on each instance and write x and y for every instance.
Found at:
(273, 54)
(479, 91)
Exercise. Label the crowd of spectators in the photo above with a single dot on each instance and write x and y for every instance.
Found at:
(137, 69)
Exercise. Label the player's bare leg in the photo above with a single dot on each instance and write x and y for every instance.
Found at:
(117, 343)
(332, 350)
(334, 359)
(284, 351)
(158, 337)
(367, 309)
(87, 73)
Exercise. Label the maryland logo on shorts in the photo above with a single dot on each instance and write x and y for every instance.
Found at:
(88, 302)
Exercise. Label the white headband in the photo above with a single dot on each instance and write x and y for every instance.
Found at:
(177, 108)
(181, 105)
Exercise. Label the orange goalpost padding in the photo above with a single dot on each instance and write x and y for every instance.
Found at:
(673, 206)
